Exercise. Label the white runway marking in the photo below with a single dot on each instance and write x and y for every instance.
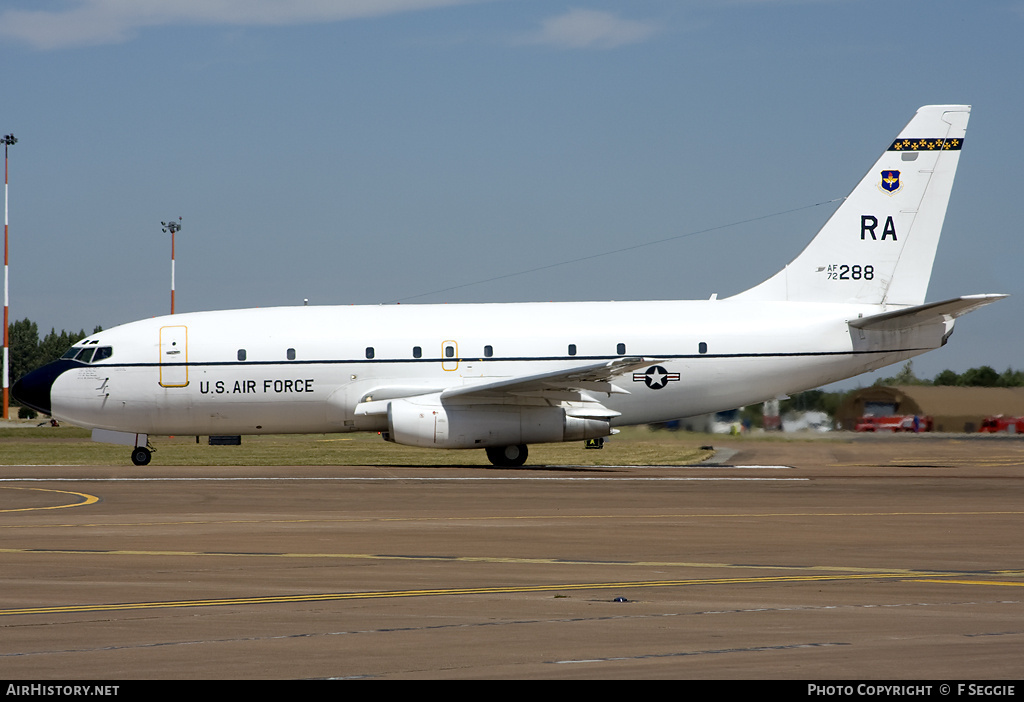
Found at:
(398, 479)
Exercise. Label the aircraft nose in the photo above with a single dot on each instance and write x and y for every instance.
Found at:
(33, 389)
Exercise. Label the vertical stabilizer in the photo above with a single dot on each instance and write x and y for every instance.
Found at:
(879, 246)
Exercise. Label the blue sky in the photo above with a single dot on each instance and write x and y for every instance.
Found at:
(366, 151)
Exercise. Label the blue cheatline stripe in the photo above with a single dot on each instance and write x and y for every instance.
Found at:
(508, 359)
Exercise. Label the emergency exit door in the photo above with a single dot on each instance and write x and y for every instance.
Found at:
(449, 355)
(174, 357)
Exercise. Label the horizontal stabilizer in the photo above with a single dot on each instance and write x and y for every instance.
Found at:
(924, 314)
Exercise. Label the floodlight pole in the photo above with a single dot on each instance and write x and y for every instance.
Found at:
(172, 227)
(8, 141)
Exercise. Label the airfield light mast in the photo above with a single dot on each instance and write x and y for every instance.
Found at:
(172, 227)
(8, 141)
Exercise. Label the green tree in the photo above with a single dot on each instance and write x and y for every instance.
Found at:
(27, 352)
(1011, 379)
(54, 345)
(904, 377)
(983, 376)
(23, 350)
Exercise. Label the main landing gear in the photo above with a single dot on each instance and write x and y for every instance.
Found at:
(141, 455)
(507, 456)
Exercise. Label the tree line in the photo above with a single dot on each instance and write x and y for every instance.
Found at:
(980, 377)
(28, 352)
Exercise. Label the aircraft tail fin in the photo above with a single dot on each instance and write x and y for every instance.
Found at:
(879, 246)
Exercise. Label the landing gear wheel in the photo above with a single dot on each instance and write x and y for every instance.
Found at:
(507, 456)
(141, 455)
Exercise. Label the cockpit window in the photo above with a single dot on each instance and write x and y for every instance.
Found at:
(89, 354)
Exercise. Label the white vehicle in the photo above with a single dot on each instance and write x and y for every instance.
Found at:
(502, 376)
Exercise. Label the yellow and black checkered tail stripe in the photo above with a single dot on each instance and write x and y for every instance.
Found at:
(926, 145)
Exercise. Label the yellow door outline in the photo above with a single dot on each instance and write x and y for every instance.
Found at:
(449, 355)
(174, 356)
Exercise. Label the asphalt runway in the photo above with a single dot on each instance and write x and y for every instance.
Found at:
(891, 558)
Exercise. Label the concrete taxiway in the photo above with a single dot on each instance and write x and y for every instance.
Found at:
(892, 558)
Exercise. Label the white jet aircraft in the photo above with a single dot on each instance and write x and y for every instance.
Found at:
(502, 376)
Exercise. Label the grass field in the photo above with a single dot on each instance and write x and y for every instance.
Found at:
(31, 445)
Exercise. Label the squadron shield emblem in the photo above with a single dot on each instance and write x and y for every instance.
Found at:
(890, 182)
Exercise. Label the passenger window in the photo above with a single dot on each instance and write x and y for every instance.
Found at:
(621, 349)
(417, 352)
(241, 354)
(291, 354)
(449, 351)
(702, 347)
(103, 352)
(572, 349)
(488, 351)
(369, 352)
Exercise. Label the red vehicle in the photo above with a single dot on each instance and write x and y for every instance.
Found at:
(997, 423)
(909, 422)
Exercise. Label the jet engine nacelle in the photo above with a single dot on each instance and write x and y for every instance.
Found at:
(437, 425)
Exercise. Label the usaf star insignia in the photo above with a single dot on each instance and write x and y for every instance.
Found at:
(655, 377)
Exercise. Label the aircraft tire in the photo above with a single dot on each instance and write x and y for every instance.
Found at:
(508, 456)
(141, 456)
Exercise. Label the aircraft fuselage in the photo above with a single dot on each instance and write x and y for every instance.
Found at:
(306, 369)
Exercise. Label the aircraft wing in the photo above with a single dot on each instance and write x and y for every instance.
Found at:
(571, 385)
(924, 314)
(594, 377)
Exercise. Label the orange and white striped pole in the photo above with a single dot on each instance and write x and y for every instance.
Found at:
(9, 141)
(172, 227)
